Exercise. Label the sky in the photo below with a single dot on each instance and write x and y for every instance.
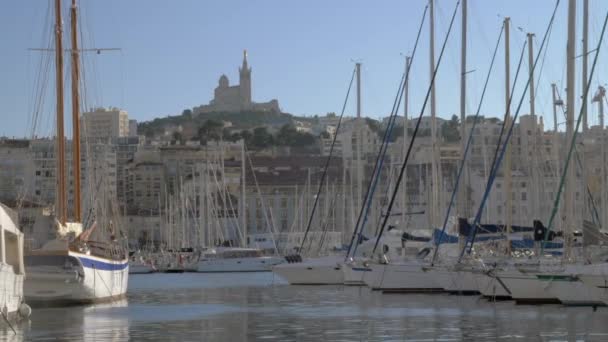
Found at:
(172, 54)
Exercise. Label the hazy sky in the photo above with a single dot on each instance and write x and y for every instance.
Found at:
(302, 53)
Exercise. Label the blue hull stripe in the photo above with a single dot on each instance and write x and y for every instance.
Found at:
(103, 266)
(361, 269)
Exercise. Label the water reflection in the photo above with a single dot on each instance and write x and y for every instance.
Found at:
(240, 307)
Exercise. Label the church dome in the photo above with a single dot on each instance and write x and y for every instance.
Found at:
(224, 81)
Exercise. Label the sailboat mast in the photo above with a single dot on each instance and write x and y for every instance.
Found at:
(462, 197)
(507, 170)
(599, 98)
(359, 140)
(75, 113)
(434, 169)
(406, 86)
(556, 140)
(585, 60)
(584, 78)
(533, 165)
(570, 106)
(62, 211)
(243, 209)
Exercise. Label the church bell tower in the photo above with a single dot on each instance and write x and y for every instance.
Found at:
(245, 82)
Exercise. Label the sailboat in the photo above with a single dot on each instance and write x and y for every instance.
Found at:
(413, 273)
(580, 277)
(79, 265)
(323, 270)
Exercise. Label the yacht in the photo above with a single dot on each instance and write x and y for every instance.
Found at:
(234, 259)
(75, 265)
(138, 264)
(73, 269)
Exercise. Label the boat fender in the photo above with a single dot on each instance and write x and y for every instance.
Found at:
(25, 310)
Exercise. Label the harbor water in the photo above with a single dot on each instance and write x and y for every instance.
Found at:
(261, 307)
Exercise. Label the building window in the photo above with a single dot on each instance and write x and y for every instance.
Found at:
(524, 196)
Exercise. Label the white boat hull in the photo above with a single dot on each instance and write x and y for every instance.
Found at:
(354, 274)
(573, 292)
(489, 286)
(405, 277)
(598, 285)
(456, 281)
(315, 271)
(526, 287)
(137, 268)
(11, 295)
(92, 279)
(581, 285)
(249, 264)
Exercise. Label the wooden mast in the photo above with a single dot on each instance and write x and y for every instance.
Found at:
(75, 113)
(60, 157)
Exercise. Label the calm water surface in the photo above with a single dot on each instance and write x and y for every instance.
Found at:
(259, 307)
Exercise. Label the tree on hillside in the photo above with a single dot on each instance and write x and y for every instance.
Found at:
(288, 135)
(247, 136)
(261, 138)
(210, 130)
(450, 131)
(177, 138)
(373, 125)
(187, 113)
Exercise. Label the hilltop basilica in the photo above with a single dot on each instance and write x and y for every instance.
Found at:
(236, 98)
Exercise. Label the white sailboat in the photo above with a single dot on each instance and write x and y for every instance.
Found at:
(323, 270)
(138, 264)
(77, 266)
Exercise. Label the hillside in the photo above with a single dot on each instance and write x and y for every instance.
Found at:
(239, 120)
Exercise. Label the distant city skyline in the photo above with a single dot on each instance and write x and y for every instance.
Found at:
(301, 54)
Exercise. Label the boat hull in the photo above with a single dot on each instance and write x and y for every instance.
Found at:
(11, 295)
(354, 273)
(248, 264)
(89, 279)
(491, 287)
(141, 269)
(457, 281)
(315, 271)
(526, 288)
(573, 292)
(407, 277)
